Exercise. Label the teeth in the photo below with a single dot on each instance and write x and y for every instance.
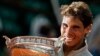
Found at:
(69, 39)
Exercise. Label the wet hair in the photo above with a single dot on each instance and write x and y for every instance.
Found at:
(79, 10)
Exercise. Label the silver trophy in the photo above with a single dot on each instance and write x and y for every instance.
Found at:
(43, 46)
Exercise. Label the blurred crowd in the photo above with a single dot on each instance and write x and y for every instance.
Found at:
(41, 18)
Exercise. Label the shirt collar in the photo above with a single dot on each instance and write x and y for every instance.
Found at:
(61, 53)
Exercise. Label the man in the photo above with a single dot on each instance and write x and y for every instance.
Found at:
(76, 24)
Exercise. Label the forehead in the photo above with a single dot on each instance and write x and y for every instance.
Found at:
(71, 20)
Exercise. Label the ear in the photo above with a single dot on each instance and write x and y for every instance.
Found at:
(88, 29)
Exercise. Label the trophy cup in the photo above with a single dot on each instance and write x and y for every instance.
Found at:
(32, 46)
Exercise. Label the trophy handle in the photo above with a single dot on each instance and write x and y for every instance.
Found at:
(8, 40)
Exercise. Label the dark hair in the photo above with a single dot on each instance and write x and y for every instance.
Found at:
(80, 10)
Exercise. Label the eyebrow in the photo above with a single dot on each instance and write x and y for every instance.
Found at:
(75, 26)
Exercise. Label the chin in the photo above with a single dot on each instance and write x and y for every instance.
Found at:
(69, 44)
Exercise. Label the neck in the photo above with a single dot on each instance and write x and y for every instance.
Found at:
(68, 49)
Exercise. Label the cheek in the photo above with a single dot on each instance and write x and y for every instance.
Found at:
(62, 31)
(79, 34)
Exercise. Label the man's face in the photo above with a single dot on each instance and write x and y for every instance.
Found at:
(73, 30)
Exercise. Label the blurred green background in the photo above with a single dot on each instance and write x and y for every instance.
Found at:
(21, 17)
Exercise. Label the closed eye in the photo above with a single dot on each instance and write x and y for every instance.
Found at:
(76, 27)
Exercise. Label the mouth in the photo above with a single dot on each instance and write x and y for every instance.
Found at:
(69, 39)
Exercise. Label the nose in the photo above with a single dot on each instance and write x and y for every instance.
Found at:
(68, 31)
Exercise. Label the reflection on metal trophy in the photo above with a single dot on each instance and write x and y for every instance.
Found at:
(31, 46)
